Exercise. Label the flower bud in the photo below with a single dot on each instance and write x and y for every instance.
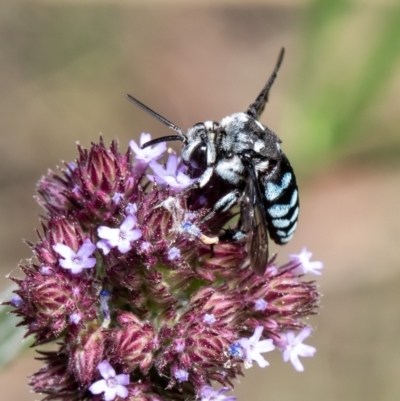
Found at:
(132, 345)
(86, 353)
(54, 379)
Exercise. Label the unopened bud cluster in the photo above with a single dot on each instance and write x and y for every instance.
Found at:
(135, 292)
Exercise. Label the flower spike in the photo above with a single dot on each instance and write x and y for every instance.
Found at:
(140, 295)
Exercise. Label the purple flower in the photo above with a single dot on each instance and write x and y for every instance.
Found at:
(76, 291)
(253, 348)
(174, 253)
(46, 270)
(271, 270)
(75, 318)
(181, 375)
(119, 237)
(293, 348)
(111, 385)
(260, 305)
(150, 153)
(179, 345)
(17, 301)
(171, 175)
(71, 166)
(145, 246)
(78, 261)
(209, 318)
(131, 208)
(76, 191)
(306, 265)
(208, 394)
(117, 198)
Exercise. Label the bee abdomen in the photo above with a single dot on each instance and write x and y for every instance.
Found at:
(282, 204)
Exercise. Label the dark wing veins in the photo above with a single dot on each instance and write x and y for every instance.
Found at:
(254, 221)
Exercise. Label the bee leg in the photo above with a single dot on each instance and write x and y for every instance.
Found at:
(212, 250)
(205, 177)
(232, 235)
(202, 181)
(224, 204)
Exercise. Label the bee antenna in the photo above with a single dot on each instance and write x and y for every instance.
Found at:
(181, 135)
(257, 107)
(163, 139)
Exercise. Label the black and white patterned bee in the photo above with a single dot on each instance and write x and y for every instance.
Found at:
(247, 157)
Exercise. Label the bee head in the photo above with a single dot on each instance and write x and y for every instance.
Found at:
(199, 150)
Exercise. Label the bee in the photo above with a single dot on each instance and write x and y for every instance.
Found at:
(246, 155)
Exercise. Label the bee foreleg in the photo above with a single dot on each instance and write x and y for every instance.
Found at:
(205, 177)
(202, 180)
(224, 204)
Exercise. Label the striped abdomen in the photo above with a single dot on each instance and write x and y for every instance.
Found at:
(282, 202)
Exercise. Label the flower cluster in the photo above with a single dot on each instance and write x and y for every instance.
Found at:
(139, 296)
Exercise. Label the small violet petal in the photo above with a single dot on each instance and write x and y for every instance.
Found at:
(17, 301)
(119, 237)
(98, 387)
(209, 318)
(46, 270)
(110, 234)
(181, 375)
(117, 198)
(207, 393)
(122, 391)
(86, 249)
(106, 370)
(124, 246)
(171, 175)
(78, 261)
(260, 305)
(128, 223)
(131, 208)
(293, 347)
(111, 385)
(306, 266)
(150, 153)
(110, 393)
(105, 246)
(122, 379)
(63, 250)
(174, 253)
(75, 318)
(253, 347)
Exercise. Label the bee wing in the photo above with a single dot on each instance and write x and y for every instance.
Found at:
(254, 223)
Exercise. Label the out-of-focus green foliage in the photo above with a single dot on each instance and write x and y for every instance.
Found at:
(330, 106)
(11, 338)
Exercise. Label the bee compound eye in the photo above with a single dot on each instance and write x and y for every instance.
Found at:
(197, 158)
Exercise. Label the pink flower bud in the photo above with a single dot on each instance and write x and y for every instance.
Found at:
(86, 355)
(133, 344)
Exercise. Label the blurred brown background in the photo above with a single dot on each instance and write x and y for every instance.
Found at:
(65, 67)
